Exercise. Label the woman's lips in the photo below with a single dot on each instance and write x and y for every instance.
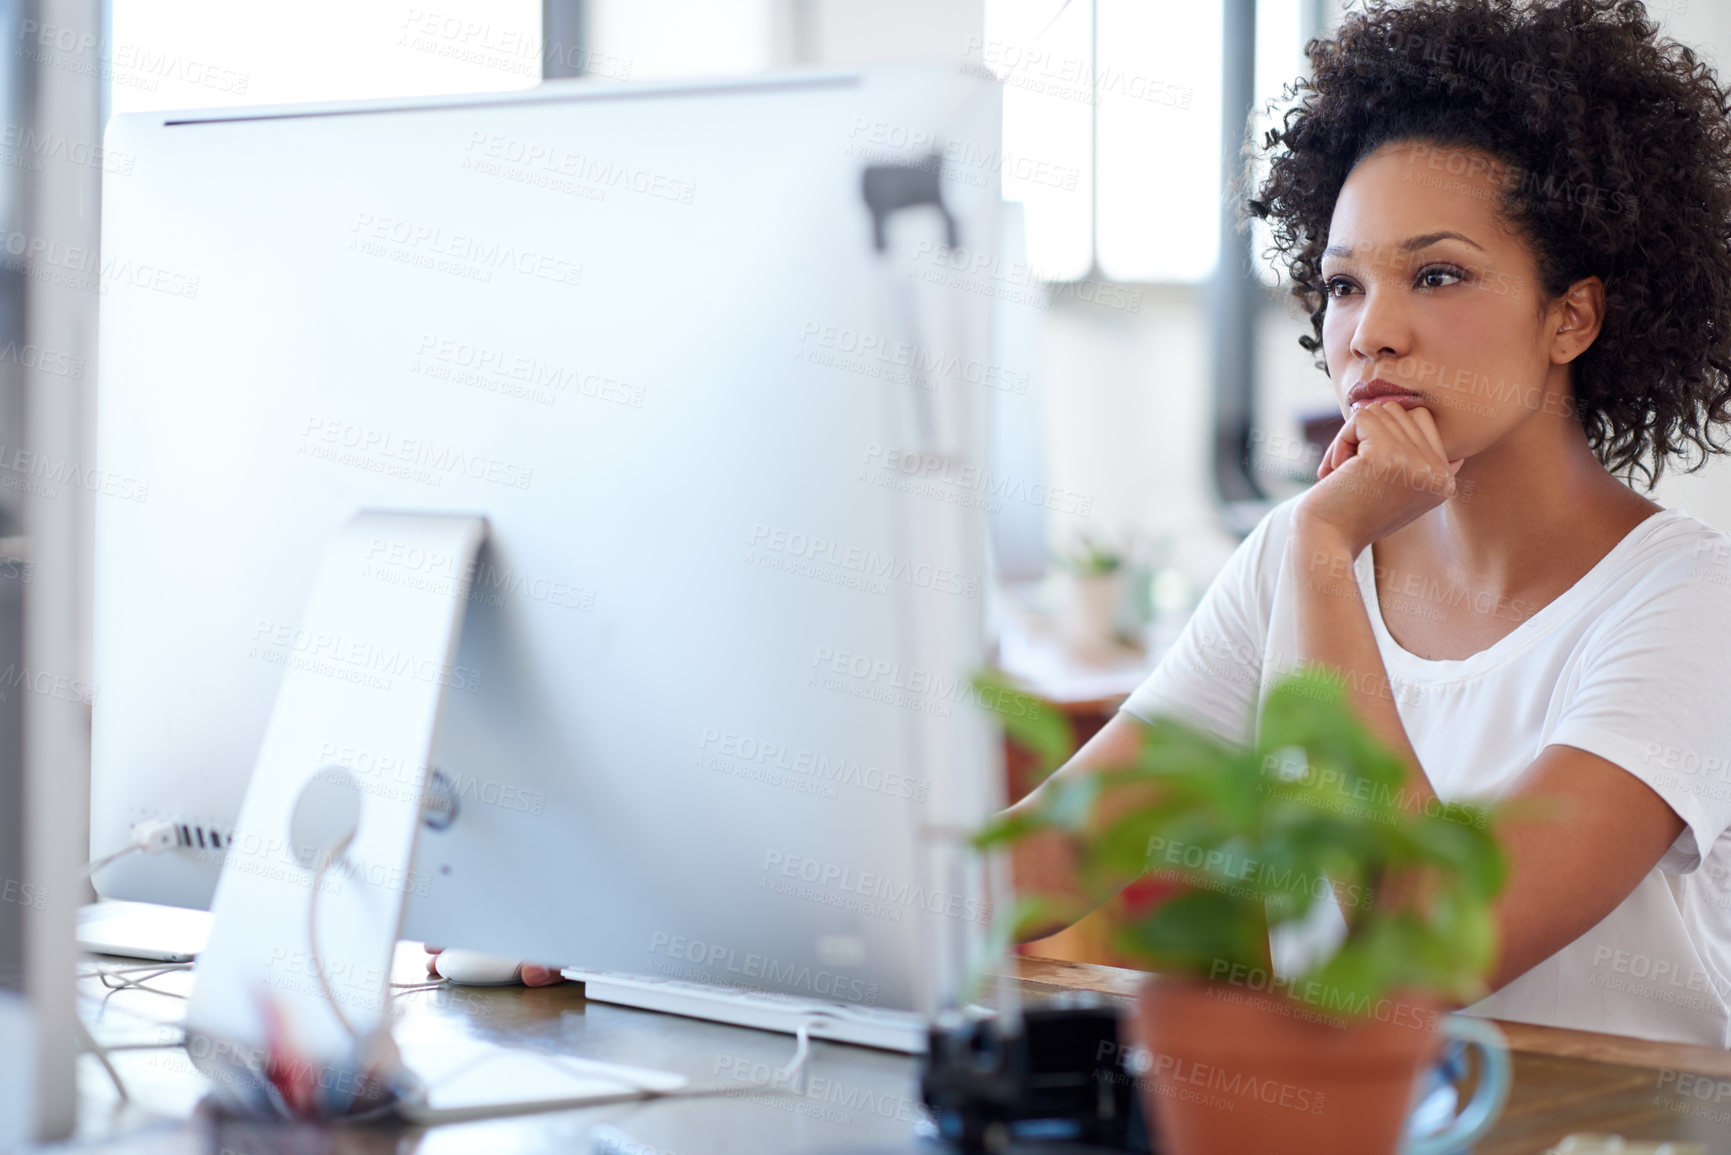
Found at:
(1370, 392)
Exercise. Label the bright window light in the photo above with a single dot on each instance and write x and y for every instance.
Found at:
(680, 38)
(1159, 80)
(1280, 60)
(1040, 50)
(212, 53)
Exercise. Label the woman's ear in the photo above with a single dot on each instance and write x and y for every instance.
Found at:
(1575, 319)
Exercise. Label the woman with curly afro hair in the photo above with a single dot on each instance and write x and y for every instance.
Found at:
(1510, 224)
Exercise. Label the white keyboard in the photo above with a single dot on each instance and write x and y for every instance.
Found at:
(888, 1030)
(142, 930)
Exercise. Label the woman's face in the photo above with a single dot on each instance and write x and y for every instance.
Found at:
(1434, 300)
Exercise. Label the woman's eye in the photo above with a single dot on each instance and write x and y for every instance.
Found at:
(1338, 287)
(1440, 277)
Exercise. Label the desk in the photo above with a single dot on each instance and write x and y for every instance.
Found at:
(856, 1099)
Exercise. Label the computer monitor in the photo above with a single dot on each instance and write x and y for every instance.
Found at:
(711, 699)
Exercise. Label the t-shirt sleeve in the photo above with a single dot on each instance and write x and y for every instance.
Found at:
(1212, 675)
(1653, 695)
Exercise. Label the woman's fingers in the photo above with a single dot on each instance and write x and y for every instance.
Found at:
(1342, 449)
(1434, 473)
(1401, 432)
(1396, 422)
(1427, 425)
(1383, 469)
(1415, 427)
(540, 976)
(1412, 453)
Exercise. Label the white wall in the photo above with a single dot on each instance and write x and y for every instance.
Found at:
(669, 38)
(1130, 415)
(885, 31)
(1129, 421)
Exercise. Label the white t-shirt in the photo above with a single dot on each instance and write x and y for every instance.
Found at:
(1632, 663)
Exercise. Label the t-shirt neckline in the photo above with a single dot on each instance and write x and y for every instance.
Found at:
(1517, 639)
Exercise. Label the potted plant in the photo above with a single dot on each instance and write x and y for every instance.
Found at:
(1233, 1057)
(1093, 592)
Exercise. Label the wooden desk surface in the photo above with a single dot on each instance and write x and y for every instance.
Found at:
(1053, 975)
(1565, 1082)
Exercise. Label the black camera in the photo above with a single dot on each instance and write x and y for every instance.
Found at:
(1058, 1084)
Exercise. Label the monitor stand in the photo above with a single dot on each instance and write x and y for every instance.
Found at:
(310, 901)
(290, 1011)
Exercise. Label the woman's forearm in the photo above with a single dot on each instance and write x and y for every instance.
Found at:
(1334, 630)
(1045, 865)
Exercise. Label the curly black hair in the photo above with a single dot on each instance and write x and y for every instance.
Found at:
(1617, 147)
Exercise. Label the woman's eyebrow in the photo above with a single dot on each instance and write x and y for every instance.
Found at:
(1411, 244)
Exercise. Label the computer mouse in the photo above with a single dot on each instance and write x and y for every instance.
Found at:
(471, 968)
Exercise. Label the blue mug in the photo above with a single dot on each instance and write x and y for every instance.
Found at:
(1492, 1092)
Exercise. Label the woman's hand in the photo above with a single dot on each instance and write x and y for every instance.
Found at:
(1385, 468)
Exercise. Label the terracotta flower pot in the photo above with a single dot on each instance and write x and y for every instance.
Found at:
(1232, 1070)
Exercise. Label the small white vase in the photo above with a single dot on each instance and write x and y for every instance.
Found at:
(1088, 612)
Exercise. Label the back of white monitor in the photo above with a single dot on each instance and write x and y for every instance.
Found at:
(690, 730)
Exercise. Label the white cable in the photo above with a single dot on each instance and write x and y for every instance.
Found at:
(327, 859)
(101, 1053)
(150, 837)
(137, 978)
(123, 982)
(794, 1073)
(95, 865)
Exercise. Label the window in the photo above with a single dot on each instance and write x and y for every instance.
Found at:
(1125, 93)
(666, 39)
(209, 53)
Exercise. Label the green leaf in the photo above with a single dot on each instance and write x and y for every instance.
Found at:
(1347, 984)
(1199, 931)
(1007, 828)
(1254, 846)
